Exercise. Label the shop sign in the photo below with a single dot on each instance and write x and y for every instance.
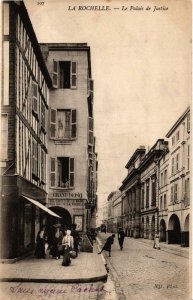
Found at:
(66, 202)
(69, 195)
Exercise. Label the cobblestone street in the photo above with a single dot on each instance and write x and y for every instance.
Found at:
(141, 272)
(138, 272)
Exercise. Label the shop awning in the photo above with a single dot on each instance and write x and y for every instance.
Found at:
(43, 207)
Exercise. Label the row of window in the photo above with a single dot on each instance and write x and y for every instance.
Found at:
(29, 99)
(176, 136)
(163, 178)
(63, 125)
(176, 196)
(175, 166)
(163, 202)
(145, 193)
(28, 52)
(31, 157)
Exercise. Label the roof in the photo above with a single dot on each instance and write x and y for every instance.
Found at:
(139, 150)
(177, 123)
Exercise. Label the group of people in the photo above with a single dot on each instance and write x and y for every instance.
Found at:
(121, 237)
(59, 242)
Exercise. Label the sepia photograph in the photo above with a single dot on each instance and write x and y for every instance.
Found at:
(96, 150)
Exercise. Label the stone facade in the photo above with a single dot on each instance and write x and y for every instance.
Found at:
(72, 161)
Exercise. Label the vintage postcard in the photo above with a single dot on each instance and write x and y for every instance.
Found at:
(96, 150)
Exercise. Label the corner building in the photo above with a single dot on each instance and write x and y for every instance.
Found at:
(71, 153)
(24, 110)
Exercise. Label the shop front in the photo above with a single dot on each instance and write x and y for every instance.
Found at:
(22, 213)
(71, 206)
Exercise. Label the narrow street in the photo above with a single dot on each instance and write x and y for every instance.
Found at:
(138, 272)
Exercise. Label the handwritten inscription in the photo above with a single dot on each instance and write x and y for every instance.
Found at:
(48, 292)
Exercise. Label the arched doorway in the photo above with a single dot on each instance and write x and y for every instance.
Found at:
(147, 227)
(142, 228)
(153, 227)
(65, 220)
(162, 231)
(185, 234)
(174, 230)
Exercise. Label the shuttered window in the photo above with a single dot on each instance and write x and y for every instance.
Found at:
(55, 73)
(52, 123)
(90, 131)
(63, 124)
(72, 172)
(4, 136)
(52, 171)
(73, 124)
(35, 97)
(73, 74)
(62, 172)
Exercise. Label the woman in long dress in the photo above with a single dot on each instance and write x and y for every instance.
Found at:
(41, 240)
(68, 244)
(56, 252)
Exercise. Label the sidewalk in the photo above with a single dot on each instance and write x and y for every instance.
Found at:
(88, 267)
(170, 248)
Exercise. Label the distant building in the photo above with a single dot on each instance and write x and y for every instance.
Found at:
(131, 194)
(163, 193)
(177, 225)
(149, 174)
(117, 209)
(105, 213)
(156, 191)
(72, 159)
(114, 211)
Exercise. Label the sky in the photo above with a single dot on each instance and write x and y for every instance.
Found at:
(141, 66)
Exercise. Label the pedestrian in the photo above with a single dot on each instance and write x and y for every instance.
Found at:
(57, 248)
(108, 244)
(68, 244)
(41, 240)
(121, 237)
(156, 241)
(76, 237)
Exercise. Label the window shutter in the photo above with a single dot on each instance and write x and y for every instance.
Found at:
(73, 74)
(71, 172)
(172, 194)
(52, 171)
(55, 73)
(73, 123)
(52, 123)
(91, 87)
(35, 96)
(90, 131)
(175, 193)
(173, 165)
(188, 122)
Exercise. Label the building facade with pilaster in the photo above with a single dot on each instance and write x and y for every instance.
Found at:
(149, 174)
(179, 177)
(130, 189)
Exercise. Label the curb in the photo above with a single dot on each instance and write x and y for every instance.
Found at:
(41, 280)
